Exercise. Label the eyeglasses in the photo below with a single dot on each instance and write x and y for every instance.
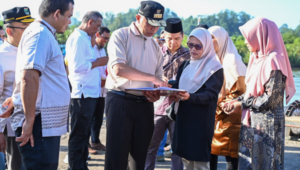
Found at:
(197, 46)
(106, 38)
(16, 27)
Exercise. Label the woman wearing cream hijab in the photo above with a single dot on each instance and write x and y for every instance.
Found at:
(202, 78)
(227, 126)
(269, 75)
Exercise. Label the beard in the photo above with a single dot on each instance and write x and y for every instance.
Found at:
(99, 46)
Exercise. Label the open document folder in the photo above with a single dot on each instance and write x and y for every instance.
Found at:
(164, 91)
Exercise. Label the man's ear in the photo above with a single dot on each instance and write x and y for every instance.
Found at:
(9, 31)
(90, 22)
(56, 14)
(138, 18)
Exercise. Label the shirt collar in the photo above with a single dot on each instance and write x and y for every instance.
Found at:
(53, 30)
(179, 51)
(136, 32)
(11, 47)
(83, 33)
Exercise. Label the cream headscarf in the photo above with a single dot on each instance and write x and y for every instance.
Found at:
(200, 70)
(229, 57)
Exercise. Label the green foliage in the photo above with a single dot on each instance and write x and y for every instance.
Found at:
(229, 20)
(62, 38)
(184, 41)
(239, 42)
(291, 40)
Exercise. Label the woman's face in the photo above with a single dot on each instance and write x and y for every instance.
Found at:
(250, 48)
(196, 48)
(215, 42)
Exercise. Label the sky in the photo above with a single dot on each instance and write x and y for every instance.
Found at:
(279, 11)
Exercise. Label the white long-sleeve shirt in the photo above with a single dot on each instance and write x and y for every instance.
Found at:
(80, 55)
(101, 53)
(8, 56)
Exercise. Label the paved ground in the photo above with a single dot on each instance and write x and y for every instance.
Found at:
(292, 156)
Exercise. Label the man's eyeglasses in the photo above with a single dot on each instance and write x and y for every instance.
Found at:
(16, 27)
(197, 46)
(106, 38)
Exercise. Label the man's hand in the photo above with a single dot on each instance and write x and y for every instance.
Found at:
(165, 79)
(10, 107)
(2, 142)
(100, 62)
(29, 92)
(159, 83)
(151, 96)
(7, 102)
(26, 134)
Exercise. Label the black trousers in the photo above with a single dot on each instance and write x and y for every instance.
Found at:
(97, 120)
(130, 127)
(232, 163)
(81, 111)
(44, 154)
(13, 156)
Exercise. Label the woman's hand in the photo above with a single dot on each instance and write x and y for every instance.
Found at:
(181, 96)
(227, 105)
(175, 98)
(232, 108)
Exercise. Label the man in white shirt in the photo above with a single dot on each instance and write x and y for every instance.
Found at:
(41, 97)
(2, 35)
(8, 56)
(84, 76)
(102, 37)
(135, 61)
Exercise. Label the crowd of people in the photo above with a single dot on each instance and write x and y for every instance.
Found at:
(225, 108)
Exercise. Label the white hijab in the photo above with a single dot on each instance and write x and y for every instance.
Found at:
(200, 70)
(228, 56)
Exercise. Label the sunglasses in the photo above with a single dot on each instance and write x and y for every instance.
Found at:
(16, 27)
(197, 46)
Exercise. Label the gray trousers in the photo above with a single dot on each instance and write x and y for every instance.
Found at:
(13, 156)
(161, 124)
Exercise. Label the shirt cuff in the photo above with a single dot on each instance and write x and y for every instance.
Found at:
(89, 67)
(117, 62)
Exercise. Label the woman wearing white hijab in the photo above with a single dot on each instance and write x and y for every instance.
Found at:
(202, 78)
(227, 127)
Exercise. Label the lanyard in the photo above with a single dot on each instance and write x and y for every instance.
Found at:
(48, 28)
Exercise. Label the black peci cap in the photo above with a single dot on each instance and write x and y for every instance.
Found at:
(154, 13)
(174, 25)
(17, 14)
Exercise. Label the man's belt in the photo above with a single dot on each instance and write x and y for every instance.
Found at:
(129, 96)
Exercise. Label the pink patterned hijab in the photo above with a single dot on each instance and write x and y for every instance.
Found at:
(264, 36)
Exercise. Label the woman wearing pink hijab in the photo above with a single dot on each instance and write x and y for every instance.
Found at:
(269, 75)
